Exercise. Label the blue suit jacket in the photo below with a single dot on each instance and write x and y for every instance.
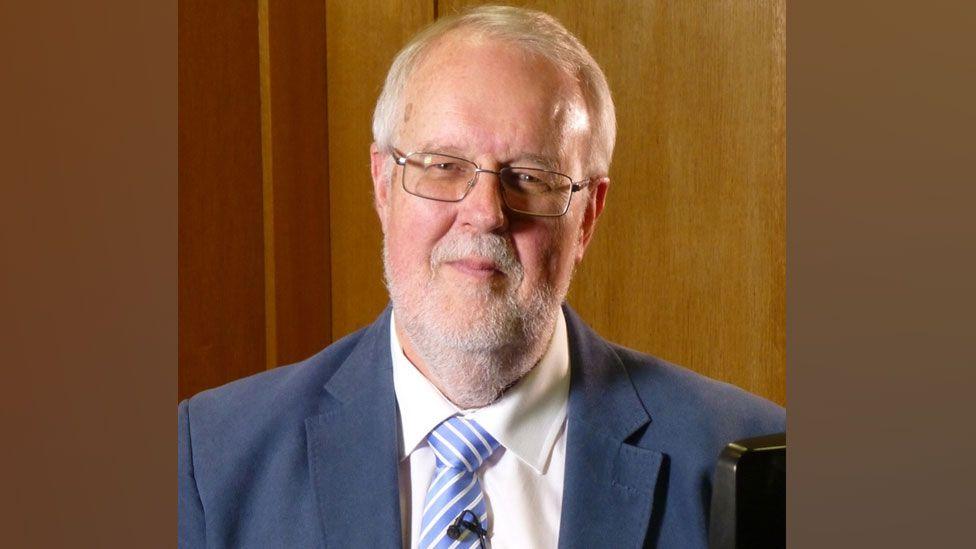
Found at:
(306, 455)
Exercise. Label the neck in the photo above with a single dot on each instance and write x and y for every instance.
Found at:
(473, 378)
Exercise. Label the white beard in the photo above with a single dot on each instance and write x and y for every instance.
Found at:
(477, 353)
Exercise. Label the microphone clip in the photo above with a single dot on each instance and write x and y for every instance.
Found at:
(456, 529)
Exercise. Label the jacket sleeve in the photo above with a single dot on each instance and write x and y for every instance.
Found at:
(190, 521)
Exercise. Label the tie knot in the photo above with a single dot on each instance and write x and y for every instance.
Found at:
(460, 443)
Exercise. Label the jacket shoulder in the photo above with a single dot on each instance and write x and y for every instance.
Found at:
(291, 390)
(697, 405)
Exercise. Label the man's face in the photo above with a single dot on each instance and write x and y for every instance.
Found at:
(473, 263)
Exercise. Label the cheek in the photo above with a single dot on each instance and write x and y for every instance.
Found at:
(414, 229)
(546, 252)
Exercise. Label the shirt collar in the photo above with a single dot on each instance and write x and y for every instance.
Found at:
(526, 420)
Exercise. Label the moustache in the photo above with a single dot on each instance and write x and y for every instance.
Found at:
(489, 246)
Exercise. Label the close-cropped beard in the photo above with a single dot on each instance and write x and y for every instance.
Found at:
(476, 354)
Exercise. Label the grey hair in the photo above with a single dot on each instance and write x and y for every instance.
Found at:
(535, 32)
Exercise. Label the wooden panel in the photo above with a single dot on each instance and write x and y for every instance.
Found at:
(363, 37)
(299, 195)
(689, 260)
(221, 290)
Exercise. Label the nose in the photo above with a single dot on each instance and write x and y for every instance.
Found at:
(484, 208)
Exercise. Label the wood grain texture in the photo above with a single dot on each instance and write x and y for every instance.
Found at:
(221, 290)
(689, 260)
(363, 37)
(299, 147)
(267, 186)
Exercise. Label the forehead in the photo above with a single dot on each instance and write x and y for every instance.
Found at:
(486, 97)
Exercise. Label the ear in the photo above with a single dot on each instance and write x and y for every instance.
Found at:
(595, 200)
(381, 183)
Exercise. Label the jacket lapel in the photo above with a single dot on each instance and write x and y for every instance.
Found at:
(353, 448)
(609, 485)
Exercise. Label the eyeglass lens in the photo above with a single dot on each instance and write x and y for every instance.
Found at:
(529, 190)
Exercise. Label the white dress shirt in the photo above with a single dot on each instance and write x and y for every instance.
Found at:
(523, 479)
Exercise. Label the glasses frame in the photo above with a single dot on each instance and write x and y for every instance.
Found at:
(401, 160)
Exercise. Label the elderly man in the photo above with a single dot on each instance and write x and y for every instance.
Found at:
(478, 409)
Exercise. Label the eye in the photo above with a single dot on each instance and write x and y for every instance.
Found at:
(446, 170)
(529, 181)
(435, 163)
(445, 166)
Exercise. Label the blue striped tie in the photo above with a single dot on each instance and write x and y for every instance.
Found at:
(460, 447)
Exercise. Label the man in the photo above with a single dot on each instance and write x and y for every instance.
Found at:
(478, 408)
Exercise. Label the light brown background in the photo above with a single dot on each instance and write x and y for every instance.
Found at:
(279, 246)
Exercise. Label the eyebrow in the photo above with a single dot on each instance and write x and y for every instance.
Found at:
(539, 159)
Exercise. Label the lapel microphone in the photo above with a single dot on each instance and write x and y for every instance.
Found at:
(457, 528)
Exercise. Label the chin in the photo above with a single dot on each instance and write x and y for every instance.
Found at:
(477, 339)
(477, 349)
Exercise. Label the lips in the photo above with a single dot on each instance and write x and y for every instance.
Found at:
(481, 257)
(476, 266)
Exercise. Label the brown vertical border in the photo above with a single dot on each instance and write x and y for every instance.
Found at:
(881, 274)
(88, 240)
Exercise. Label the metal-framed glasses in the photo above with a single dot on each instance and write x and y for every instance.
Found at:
(447, 178)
